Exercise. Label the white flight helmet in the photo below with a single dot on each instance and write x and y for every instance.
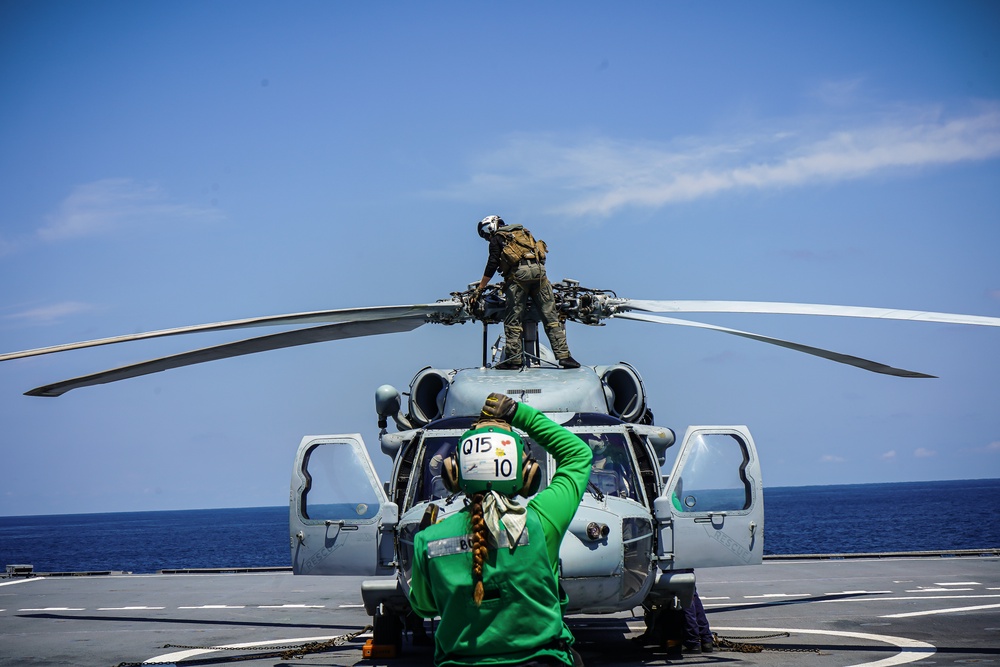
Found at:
(488, 225)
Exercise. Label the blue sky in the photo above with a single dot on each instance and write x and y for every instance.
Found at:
(176, 163)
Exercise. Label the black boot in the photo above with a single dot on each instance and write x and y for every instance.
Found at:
(569, 362)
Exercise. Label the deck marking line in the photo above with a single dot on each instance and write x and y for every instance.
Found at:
(292, 606)
(959, 583)
(128, 608)
(778, 595)
(893, 599)
(177, 656)
(911, 650)
(20, 581)
(942, 611)
(56, 609)
(359, 606)
(921, 597)
(215, 606)
(937, 590)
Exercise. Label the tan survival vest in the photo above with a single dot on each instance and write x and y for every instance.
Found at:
(519, 244)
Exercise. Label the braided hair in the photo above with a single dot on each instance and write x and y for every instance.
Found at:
(479, 548)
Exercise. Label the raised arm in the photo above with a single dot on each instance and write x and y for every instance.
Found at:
(557, 504)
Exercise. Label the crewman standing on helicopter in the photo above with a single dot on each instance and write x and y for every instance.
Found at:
(521, 261)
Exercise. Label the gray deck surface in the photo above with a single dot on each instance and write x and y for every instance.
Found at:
(873, 612)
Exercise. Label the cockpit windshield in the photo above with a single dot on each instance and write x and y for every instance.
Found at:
(612, 472)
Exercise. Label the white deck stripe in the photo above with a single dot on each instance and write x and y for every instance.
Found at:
(911, 650)
(188, 653)
(20, 581)
(953, 610)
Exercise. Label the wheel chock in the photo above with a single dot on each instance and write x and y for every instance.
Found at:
(372, 650)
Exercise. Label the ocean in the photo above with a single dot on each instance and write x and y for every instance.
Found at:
(849, 518)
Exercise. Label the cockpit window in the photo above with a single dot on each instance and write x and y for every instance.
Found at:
(436, 450)
(612, 472)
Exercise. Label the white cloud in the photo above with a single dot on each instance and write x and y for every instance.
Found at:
(889, 455)
(923, 453)
(114, 203)
(993, 446)
(598, 175)
(830, 458)
(51, 314)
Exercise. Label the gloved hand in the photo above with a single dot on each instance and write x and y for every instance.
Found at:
(500, 407)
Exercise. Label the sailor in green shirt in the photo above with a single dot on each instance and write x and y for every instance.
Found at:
(490, 571)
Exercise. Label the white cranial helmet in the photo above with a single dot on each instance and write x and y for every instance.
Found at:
(488, 225)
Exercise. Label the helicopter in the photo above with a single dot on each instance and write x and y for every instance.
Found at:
(637, 536)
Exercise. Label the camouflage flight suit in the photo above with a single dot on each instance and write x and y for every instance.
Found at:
(526, 278)
(529, 279)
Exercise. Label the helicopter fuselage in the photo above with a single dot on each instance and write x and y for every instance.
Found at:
(635, 539)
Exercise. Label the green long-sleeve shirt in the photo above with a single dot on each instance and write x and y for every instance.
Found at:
(525, 622)
(557, 504)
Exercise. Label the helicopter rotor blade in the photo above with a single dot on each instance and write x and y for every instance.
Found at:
(858, 362)
(276, 341)
(778, 308)
(442, 309)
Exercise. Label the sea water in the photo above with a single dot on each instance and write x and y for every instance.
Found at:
(851, 518)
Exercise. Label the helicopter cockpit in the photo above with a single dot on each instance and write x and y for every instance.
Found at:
(613, 471)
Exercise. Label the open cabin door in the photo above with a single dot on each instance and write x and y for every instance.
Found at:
(340, 519)
(711, 513)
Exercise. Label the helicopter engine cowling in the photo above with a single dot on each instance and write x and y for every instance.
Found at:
(428, 391)
(624, 391)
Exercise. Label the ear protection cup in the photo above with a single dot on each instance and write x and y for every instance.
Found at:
(449, 474)
(532, 476)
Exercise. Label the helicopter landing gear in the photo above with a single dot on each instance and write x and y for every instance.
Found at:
(388, 627)
(664, 628)
(387, 635)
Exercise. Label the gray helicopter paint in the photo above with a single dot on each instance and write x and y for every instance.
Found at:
(546, 389)
(605, 575)
(721, 534)
(342, 537)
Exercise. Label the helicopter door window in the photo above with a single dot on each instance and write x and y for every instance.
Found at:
(339, 485)
(713, 475)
